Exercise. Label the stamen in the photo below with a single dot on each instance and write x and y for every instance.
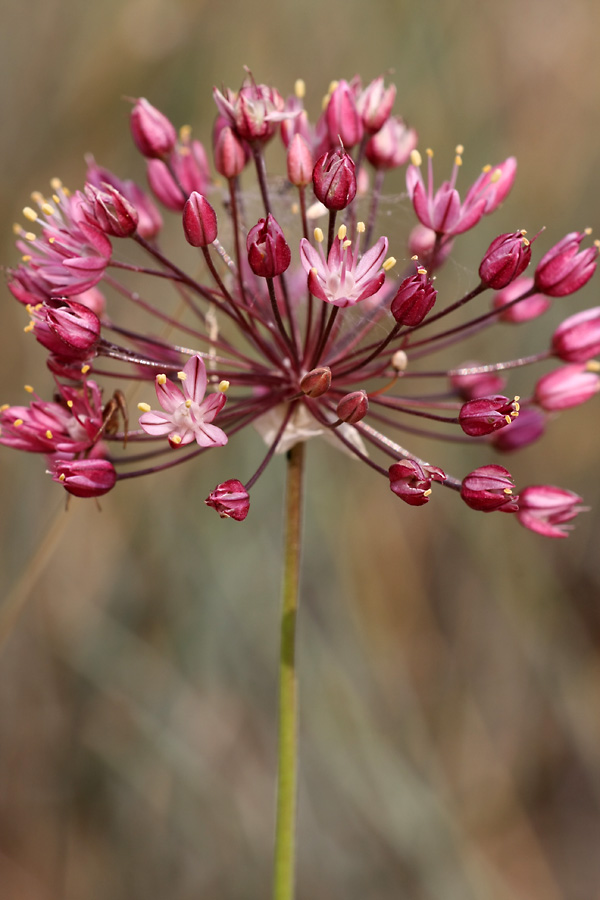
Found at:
(49, 435)
(182, 376)
(188, 403)
(30, 236)
(176, 439)
(389, 263)
(185, 133)
(223, 386)
(85, 369)
(399, 361)
(47, 209)
(416, 158)
(30, 214)
(319, 236)
(144, 407)
(161, 379)
(28, 388)
(18, 422)
(300, 88)
(361, 227)
(342, 231)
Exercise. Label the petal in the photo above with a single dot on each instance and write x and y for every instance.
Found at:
(169, 395)
(155, 423)
(372, 259)
(210, 436)
(194, 386)
(209, 408)
(310, 258)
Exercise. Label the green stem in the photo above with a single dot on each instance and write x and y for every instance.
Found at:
(285, 829)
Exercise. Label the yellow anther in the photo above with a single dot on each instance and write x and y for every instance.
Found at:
(17, 229)
(49, 435)
(223, 386)
(4, 407)
(188, 403)
(342, 231)
(295, 209)
(18, 422)
(415, 257)
(70, 404)
(26, 258)
(51, 240)
(28, 388)
(346, 244)
(415, 158)
(185, 133)
(319, 236)
(496, 176)
(487, 168)
(332, 86)
(507, 419)
(300, 88)
(85, 369)
(161, 379)
(48, 209)
(458, 160)
(144, 407)
(37, 197)
(176, 439)
(517, 398)
(427, 492)
(30, 236)
(399, 361)
(56, 199)
(597, 243)
(592, 365)
(56, 184)
(429, 152)
(507, 491)
(360, 227)
(62, 477)
(587, 231)
(29, 327)
(526, 242)
(389, 263)
(459, 149)
(182, 376)
(30, 214)
(314, 270)
(421, 271)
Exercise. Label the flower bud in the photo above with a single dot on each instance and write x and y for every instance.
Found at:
(300, 163)
(343, 119)
(230, 154)
(334, 179)
(489, 488)
(187, 171)
(392, 145)
(577, 339)
(374, 104)
(153, 134)
(546, 509)
(85, 477)
(411, 480)
(505, 259)
(149, 218)
(414, 299)
(566, 387)
(527, 428)
(353, 407)
(73, 323)
(472, 385)
(230, 499)
(268, 251)
(563, 270)
(487, 414)
(112, 212)
(316, 382)
(529, 308)
(199, 221)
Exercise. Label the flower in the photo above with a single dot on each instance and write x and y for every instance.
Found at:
(186, 415)
(309, 326)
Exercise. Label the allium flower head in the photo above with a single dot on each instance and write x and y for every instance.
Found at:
(307, 330)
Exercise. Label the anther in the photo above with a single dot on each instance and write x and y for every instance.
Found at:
(85, 369)
(28, 388)
(459, 149)
(300, 88)
(342, 231)
(176, 439)
(223, 386)
(18, 422)
(389, 263)
(360, 227)
(30, 236)
(49, 435)
(429, 152)
(161, 379)
(56, 184)
(182, 376)
(185, 132)
(144, 407)
(416, 158)
(319, 236)
(30, 214)
(47, 209)
(188, 403)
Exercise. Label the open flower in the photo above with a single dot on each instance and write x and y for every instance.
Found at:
(186, 416)
(344, 278)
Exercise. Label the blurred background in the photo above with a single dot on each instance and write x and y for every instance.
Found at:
(449, 662)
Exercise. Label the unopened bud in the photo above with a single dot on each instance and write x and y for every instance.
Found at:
(316, 382)
(199, 221)
(353, 407)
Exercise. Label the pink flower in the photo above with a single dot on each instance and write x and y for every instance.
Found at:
(411, 480)
(577, 339)
(564, 269)
(343, 279)
(84, 477)
(254, 112)
(489, 488)
(530, 307)
(547, 510)
(566, 387)
(230, 499)
(186, 415)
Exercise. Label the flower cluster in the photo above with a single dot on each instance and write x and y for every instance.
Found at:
(297, 330)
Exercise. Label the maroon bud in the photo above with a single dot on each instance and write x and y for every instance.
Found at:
(505, 259)
(149, 219)
(112, 212)
(487, 414)
(411, 480)
(153, 134)
(229, 153)
(73, 323)
(566, 387)
(489, 488)
(527, 428)
(85, 477)
(577, 339)
(353, 407)
(414, 299)
(300, 163)
(391, 147)
(343, 119)
(268, 251)
(546, 509)
(563, 270)
(230, 499)
(334, 179)
(316, 382)
(199, 221)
